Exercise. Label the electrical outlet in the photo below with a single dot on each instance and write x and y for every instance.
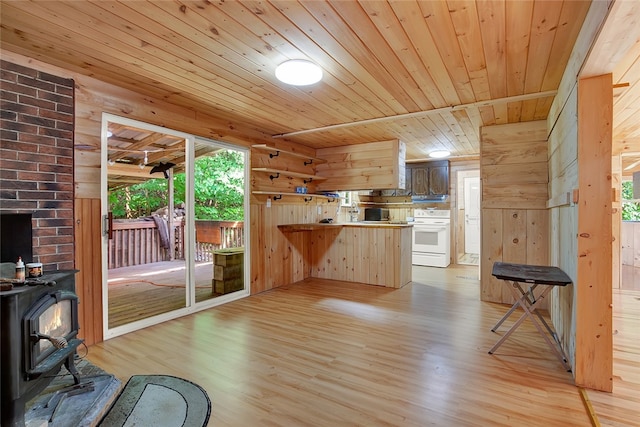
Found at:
(319, 210)
(269, 202)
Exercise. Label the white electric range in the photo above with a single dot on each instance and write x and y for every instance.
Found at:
(432, 237)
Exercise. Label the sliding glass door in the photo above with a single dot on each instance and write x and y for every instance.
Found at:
(173, 208)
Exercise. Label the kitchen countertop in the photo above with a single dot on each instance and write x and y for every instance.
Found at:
(320, 226)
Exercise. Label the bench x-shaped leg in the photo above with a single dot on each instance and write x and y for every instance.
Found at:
(529, 305)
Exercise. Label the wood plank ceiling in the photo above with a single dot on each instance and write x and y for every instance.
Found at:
(427, 72)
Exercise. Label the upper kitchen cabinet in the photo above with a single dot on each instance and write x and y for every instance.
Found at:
(373, 165)
(429, 178)
(408, 191)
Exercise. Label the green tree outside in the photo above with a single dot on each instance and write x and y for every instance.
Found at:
(218, 185)
(630, 208)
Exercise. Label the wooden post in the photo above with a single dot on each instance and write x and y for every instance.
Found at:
(594, 340)
(170, 219)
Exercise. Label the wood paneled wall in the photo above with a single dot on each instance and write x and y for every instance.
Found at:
(563, 176)
(88, 241)
(515, 220)
(377, 256)
(278, 259)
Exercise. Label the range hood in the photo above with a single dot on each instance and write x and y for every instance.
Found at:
(430, 198)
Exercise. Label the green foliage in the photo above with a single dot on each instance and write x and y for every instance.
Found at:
(218, 187)
(139, 200)
(630, 208)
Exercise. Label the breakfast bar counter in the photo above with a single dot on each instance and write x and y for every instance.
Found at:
(377, 253)
(321, 226)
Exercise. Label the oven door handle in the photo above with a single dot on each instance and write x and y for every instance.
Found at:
(420, 228)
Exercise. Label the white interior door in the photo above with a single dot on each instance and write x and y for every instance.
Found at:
(472, 215)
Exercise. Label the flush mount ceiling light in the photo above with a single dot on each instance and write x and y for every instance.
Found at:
(298, 72)
(439, 154)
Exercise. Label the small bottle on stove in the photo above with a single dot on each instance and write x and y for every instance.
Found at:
(20, 270)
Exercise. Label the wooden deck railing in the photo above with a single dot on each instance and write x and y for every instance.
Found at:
(212, 235)
(137, 242)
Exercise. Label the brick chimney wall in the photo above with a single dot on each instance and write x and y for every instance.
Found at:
(36, 159)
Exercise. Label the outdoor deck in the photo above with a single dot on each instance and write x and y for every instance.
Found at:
(146, 290)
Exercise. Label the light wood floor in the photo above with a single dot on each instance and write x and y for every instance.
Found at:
(323, 353)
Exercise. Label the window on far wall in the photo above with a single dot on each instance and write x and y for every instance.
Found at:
(345, 198)
(630, 206)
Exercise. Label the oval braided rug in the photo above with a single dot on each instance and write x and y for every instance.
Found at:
(159, 400)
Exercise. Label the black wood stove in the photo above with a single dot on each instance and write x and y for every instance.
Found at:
(39, 322)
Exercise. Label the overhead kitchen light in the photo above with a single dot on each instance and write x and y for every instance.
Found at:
(439, 154)
(298, 72)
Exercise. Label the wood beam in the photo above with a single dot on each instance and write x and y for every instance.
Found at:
(487, 103)
(593, 288)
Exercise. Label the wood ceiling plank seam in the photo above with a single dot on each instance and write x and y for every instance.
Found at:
(626, 116)
(464, 16)
(71, 47)
(472, 133)
(514, 111)
(336, 42)
(365, 54)
(501, 113)
(518, 37)
(323, 109)
(626, 108)
(488, 115)
(571, 18)
(629, 97)
(349, 95)
(331, 139)
(626, 113)
(543, 107)
(476, 121)
(392, 31)
(461, 142)
(199, 45)
(615, 38)
(627, 69)
(440, 139)
(101, 37)
(528, 110)
(216, 124)
(420, 37)
(442, 125)
(438, 20)
(546, 16)
(370, 34)
(455, 127)
(413, 132)
(492, 27)
(231, 87)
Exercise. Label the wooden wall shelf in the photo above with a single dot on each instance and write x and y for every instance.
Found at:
(305, 195)
(288, 173)
(309, 159)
